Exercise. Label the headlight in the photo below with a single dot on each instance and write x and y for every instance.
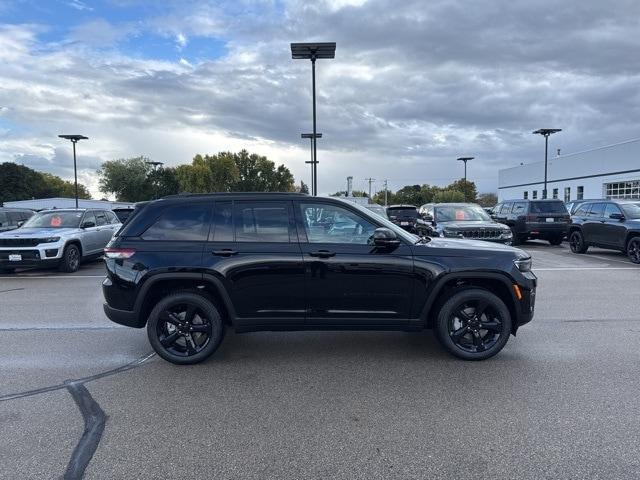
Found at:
(50, 240)
(523, 264)
(507, 233)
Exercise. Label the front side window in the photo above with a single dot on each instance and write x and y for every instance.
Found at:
(519, 208)
(262, 221)
(597, 210)
(54, 220)
(611, 208)
(335, 224)
(180, 223)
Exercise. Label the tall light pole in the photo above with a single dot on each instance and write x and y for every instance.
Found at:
(312, 162)
(155, 166)
(545, 132)
(74, 139)
(465, 160)
(313, 51)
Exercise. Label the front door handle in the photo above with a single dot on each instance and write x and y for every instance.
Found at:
(322, 254)
(225, 252)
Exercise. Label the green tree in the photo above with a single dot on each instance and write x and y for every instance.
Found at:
(163, 182)
(126, 178)
(487, 199)
(448, 196)
(18, 182)
(468, 189)
(258, 174)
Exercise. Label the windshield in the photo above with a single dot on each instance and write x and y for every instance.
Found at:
(402, 212)
(69, 219)
(460, 213)
(547, 207)
(631, 210)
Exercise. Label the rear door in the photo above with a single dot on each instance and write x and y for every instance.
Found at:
(253, 250)
(593, 227)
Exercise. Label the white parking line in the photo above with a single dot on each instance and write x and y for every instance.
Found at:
(56, 277)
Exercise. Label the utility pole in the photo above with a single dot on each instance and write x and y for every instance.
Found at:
(385, 192)
(370, 180)
(545, 132)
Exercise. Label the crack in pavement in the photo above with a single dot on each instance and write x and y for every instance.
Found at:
(93, 416)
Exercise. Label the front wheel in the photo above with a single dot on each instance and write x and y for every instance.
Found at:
(474, 324)
(185, 328)
(576, 242)
(633, 249)
(70, 261)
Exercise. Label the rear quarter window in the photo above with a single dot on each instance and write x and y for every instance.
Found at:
(180, 223)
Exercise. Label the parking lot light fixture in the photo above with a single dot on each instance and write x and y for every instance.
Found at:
(465, 160)
(74, 139)
(545, 132)
(313, 51)
(310, 136)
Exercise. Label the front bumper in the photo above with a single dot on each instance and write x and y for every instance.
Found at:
(526, 306)
(41, 256)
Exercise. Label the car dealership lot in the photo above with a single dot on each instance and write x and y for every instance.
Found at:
(558, 401)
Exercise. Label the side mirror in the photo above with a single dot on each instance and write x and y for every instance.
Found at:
(88, 225)
(385, 238)
(616, 216)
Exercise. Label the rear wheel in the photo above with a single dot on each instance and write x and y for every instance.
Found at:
(576, 242)
(185, 328)
(474, 324)
(633, 249)
(70, 259)
(557, 240)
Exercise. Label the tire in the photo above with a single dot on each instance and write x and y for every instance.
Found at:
(633, 249)
(71, 257)
(576, 242)
(556, 240)
(515, 239)
(171, 324)
(459, 329)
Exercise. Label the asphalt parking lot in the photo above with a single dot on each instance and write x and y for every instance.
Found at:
(560, 401)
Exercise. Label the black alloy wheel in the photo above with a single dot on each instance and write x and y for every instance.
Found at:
(70, 261)
(576, 242)
(185, 328)
(474, 324)
(633, 249)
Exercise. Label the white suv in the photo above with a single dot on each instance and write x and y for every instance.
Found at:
(62, 238)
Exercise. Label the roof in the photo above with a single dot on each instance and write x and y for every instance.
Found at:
(234, 194)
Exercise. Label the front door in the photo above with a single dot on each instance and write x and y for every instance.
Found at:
(90, 233)
(253, 250)
(349, 281)
(593, 227)
(614, 230)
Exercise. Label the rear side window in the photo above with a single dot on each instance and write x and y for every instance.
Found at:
(261, 221)
(180, 223)
(111, 217)
(101, 218)
(547, 207)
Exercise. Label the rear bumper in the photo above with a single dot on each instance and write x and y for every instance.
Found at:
(542, 230)
(122, 317)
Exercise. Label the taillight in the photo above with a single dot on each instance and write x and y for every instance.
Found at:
(110, 252)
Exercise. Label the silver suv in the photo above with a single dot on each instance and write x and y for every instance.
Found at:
(62, 238)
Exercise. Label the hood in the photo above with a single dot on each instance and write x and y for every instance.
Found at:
(466, 225)
(461, 247)
(37, 232)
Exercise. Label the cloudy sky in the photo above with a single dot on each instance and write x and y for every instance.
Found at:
(415, 83)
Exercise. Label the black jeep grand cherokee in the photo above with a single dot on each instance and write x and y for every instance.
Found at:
(190, 266)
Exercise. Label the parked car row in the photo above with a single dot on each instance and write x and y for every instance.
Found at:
(60, 238)
(12, 218)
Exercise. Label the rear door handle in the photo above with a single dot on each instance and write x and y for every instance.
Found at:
(322, 254)
(225, 252)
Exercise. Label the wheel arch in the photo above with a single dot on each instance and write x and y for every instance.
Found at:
(76, 242)
(496, 283)
(631, 234)
(162, 284)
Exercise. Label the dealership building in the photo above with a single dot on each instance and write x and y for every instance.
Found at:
(612, 171)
